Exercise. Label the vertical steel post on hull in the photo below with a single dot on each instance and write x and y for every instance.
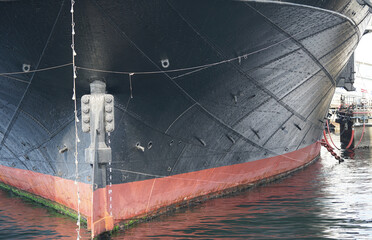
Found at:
(97, 113)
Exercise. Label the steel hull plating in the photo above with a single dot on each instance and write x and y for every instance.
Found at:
(249, 104)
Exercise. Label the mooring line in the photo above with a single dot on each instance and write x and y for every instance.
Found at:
(74, 76)
(37, 70)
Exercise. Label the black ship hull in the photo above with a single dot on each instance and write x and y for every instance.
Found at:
(209, 95)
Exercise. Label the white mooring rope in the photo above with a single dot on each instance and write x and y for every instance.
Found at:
(110, 175)
(76, 117)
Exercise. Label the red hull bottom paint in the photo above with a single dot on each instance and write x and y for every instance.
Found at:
(56, 189)
(142, 198)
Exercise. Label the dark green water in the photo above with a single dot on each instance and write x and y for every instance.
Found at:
(327, 200)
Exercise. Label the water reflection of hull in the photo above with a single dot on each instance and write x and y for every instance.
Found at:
(25, 220)
(256, 114)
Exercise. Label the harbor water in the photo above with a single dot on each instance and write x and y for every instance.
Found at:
(326, 200)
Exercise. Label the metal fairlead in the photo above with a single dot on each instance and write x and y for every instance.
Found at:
(97, 115)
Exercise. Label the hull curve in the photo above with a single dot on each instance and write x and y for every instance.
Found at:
(241, 98)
